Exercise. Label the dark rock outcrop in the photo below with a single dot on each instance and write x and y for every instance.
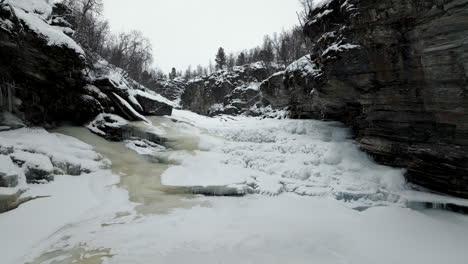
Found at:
(292, 88)
(124, 96)
(397, 73)
(46, 80)
(170, 89)
(226, 92)
(115, 128)
(8, 175)
(152, 106)
(37, 167)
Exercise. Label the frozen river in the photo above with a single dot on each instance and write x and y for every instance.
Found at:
(299, 192)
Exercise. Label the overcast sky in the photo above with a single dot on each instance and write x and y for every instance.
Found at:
(189, 32)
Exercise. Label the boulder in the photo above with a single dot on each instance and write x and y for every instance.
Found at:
(151, 106)
(9, 202)
(115, 128)
(8, 172)
(37, 167)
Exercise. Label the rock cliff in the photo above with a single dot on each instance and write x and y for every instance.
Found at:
(226, 92)
(46, 77)
(397, 73)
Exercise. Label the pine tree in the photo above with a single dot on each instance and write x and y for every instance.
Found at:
(231, 62)
(241, 60)
(267, 54)
(220, 59)
(173, 74)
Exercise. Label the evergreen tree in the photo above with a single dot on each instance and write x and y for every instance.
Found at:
(188, 73)
(231, 62)
(241, 60)
(173, 74)
(220, 59)
(267, 54)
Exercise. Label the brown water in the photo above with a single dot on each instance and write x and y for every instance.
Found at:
(140, 175)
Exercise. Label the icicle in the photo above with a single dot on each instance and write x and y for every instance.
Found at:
(10, 98)
(1, 97)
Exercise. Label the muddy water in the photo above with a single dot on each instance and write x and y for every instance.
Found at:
(140, 175)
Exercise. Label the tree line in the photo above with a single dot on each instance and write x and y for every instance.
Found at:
(280, 49)
(131, 51)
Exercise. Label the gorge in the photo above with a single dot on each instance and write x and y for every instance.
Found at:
(356, 152)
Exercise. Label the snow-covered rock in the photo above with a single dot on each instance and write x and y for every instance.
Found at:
(31, 148)
(144, 146)
(124, 96)
(292, 88)
(37, 167)
(8, 172)
(227, 92)
(109, 126)
(35, 14)
(37, 156)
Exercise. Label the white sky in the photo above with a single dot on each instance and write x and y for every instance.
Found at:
(189, 32)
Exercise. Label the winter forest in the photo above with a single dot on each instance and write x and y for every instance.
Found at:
(249, 131)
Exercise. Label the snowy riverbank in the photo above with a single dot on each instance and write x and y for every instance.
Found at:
(302, 181)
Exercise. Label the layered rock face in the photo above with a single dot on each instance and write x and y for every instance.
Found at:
(292, 88)
(46, 77)
(226, 92)
(397, 73)
(170, 89)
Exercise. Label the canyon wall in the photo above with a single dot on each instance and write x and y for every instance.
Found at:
(397, 73)
(47, 78)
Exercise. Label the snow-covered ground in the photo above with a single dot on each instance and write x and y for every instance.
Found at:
(66, 200)
(303, 181)
(272, 157)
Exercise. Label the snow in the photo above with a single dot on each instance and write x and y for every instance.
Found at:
(120, 80)
(152, 95)
(35, 161)
(304, 65)
(338, 47)
(9, 169)
(7, 166)
(66, 151)
(33, 13)
(109, 120)
(272, 157)
(254, 86)
(284, 229)
(135, 102)
(40, 7)
(95, 90)
(144, 147)
(65, 200)
(288, 217)
(319, 3)
(130, 108)
(320, 15)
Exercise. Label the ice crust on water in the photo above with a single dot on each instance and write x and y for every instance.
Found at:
(272, 157)
(89, 214)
